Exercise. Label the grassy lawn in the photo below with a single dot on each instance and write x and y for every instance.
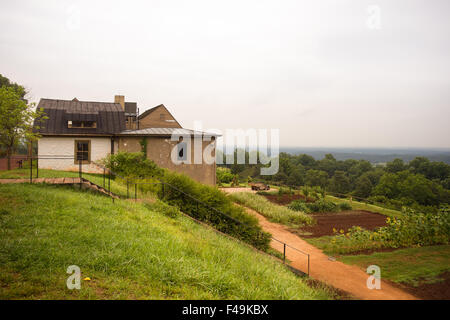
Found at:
(128, 250)
(118, 187)
(356, 205)
(322, 243)
(410, 266)
(272, 211)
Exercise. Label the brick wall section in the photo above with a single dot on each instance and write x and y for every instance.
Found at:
(14, 162)
(158, 118)
(159, 150)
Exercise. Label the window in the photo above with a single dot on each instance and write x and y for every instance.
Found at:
(162, 116)
(182, 152)
(81, 124)
(82, 151)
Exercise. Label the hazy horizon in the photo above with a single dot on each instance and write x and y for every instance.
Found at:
(362, 74)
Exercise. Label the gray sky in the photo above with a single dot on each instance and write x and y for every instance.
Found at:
(325, 73)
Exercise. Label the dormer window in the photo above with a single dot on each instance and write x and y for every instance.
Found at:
(81, 124)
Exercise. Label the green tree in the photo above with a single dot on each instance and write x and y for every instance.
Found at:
(316, 178)
(296, 177)
(16, 120)
(363, 186)
(395, 166)
(388, 186)
(5, 82)
(340, 183)
(306, 160)
(328, 164)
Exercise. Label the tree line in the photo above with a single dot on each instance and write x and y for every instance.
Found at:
(421, 184)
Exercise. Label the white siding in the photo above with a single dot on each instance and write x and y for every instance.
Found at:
(64, 146)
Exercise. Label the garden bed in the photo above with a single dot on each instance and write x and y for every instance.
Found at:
(285, 199)
(343, 220)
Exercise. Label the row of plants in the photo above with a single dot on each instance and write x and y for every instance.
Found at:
(320, 205)
(272, 211)
(412, 229)
(202, 202)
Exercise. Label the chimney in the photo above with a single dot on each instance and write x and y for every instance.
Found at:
(121, 100)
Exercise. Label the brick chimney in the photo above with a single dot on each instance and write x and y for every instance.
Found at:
(121, 100)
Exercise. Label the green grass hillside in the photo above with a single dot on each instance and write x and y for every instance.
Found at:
(128, 250)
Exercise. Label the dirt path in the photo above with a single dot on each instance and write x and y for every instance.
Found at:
(339, 275)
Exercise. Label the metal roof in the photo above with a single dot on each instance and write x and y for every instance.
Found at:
(166, 132)
(110, 117)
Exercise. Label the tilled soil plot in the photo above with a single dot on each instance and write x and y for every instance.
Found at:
(343, 220)
(286, 199)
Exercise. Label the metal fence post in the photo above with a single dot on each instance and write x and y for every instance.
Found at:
(104, 177)
(135, 192)
(128, 190)
(109, 181)
(31, 169)
(284, 252)
(79, 171)
(37, 167)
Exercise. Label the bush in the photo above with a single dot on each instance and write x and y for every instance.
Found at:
(225, 217)
(132, 165)
(299, 205)
(224, 175)
(322, 205)
(345, 206)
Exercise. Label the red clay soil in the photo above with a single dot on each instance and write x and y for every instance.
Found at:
(343, 220)
(285, 199)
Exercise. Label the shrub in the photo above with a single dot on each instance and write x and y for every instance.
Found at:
(299, 205)
(322, 205)
(273, 212)
(225, 217)
(132, 165)
(345, 206)
(224, 175)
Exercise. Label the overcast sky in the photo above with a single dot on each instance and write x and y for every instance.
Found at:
(326, 73)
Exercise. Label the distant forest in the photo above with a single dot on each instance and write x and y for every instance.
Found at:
(420, 183)
(374, 155)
